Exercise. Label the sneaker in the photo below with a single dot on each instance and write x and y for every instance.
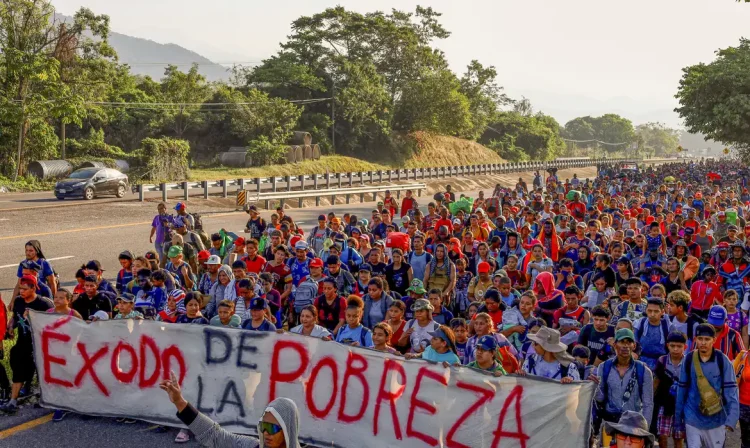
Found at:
(59, 415)
(9, 408)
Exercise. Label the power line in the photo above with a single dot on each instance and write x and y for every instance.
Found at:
(194, 63)
(594, 140)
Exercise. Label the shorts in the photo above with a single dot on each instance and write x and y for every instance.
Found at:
(22, 363)
(667, 427)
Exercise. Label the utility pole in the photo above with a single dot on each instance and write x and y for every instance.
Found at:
(333, 116)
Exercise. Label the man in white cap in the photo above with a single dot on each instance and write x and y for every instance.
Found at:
(211, 275)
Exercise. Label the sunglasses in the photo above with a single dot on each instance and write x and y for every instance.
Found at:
(270, 428)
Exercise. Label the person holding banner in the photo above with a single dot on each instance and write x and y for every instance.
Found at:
(279, 425)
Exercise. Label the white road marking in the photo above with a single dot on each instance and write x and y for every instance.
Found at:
(48, 259)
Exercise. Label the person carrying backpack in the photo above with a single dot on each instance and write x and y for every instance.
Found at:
(625, 384)
(742, 372)
(651, 332)
(707, 396)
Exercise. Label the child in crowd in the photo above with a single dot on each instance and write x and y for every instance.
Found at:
(395, 320)
(354, 333)
(258, 321)
(62, 300)
(225, 315)
(175, 307)
(516, 320)
(441, 314)
(736, 318)
(666, 377)
(484, 354)
(582, 355)
(126, 273)
(442, 348)
(381, 336)
(514, 274)
(550, 359)
(463, 278)
(534, 326)
(192, 310)
(272, 296)
(159, 291)
(80, 280)
(461, 332)
(125, 304)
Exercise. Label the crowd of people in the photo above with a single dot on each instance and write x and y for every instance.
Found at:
(638, 280)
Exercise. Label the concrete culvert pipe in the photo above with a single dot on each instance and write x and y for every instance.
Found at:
(93, 164)
(122, 165)
(235, 159)
(291, 154)
(50, 169)
(316, 152)
(301, 138)
(308, 152)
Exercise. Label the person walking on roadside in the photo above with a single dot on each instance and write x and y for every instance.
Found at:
(161, 229)
(707, 396)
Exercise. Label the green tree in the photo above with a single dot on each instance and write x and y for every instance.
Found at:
(184, 92)
(479, 85)
(511, 133)
(33, 43)
(610, 131)
(658, 138)
(713, 98)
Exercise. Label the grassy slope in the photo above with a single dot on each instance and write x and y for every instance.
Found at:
(430, 151)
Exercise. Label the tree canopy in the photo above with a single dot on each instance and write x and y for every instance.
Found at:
(713, 98)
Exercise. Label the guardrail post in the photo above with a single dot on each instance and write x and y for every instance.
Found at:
(281, 202)
(273, 184)
(301, 178)
(390, 175)
(315, 181)
(374, 196)
(380, 176)
(398, 194)
(185, 190)
(224, 187)
(398, 174)
(328, 180)
(407, 174)
(419, 192)
(205, 189)
(141, 194)
(240, 184)
(163, 187)
(348, 198)
(333, 199)
(361, 197)
(338, 179)
(351, 179)
(415, 173)
(288, 180)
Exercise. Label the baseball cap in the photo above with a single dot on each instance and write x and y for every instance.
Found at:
(483, 267)
(126, 297)
(365, 267)
(732, 227)
(422, 304)
(125, 255)
(487, 343)
(316, 263)
(322, 218)
(239, 241)
(440, 334)
(717, 315)
(252, 208)
(31, 265)
(624, 333)
(31, 279)
(630, 233)
(416, 286)
(364, 237)
(257, 304)
(174, 251)
(300, 245)
(179, 206)
(213, 259)
(204, 255)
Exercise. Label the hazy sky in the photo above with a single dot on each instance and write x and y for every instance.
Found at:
(568, 57)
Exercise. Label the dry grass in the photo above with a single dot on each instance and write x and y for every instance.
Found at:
(431, 151)
(334, 164)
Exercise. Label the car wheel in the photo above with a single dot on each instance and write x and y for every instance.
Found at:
(60, 197)
(88, 194)
(121, 191)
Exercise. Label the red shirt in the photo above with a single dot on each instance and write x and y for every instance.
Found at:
(703, 295)
(444, 222)
(563, 312)
(406, 205)
(255, 265)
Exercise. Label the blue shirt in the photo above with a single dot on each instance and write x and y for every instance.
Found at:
(347, 335)
(687, 406)
(443, 317)
(431, 355)
(43, 274)
(299, 270)
(265, 326)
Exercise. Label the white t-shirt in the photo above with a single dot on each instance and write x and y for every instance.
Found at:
(420, 339)
(551, 370)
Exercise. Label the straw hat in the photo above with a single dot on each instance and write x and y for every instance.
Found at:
(549, 340)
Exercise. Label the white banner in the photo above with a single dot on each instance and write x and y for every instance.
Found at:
(347, 397)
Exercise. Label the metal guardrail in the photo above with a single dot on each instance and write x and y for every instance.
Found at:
(329, 181)
(245, 197)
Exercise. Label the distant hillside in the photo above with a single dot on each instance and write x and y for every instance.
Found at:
(141, 54)
(150, 58)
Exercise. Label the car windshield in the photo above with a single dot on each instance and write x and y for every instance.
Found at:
(83, 174)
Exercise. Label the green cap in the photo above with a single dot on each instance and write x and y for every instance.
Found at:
(624, 333)
(174, 251)
(416, 286)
